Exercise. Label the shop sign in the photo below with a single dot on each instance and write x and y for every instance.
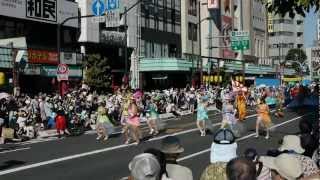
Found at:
(113, 38)
(49, 11)
(68, 58)
(51, 71)
(32, 69)
(42, 57)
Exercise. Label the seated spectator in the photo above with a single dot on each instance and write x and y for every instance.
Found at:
(309, 143)
(172, 149)
(162, 161)
(144, 167)
(241, 169)
(283, 167)
(223, 149)
(292, 145)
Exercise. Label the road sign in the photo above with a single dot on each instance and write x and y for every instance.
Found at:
(112, 4)
(240, 40)
(63, 72)
(98, 7)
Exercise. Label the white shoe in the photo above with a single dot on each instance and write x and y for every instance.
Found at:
(267, 137)
(256, 136)
(98, 138)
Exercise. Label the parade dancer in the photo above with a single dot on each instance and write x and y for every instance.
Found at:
(134, 122)
(61, 123)
(124, 118)
(202, 115)
(152, 116)
(263, 117)
(104, 127)
(228, 116)
(241, 105)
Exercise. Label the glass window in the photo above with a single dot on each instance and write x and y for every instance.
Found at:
(192, 7)
(192, 31)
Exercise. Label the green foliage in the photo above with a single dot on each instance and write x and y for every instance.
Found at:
(295, 55)
(98, 73)
(293, 7)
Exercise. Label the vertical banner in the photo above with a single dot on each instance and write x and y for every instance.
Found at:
(226, 28)
(213, 4)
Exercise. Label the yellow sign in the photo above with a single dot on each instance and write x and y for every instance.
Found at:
(292, 79)
(2, 78)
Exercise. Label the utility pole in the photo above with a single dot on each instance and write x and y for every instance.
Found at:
(126, 43)
(201, 62)
(241, 29)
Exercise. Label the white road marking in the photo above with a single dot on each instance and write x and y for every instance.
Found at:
(240, 139)
(14, 150)
(53, 161)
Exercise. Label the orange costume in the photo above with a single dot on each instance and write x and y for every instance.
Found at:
(263, 113)
(241, 106)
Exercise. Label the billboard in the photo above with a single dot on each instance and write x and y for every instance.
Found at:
(42, 57)
(48, 11)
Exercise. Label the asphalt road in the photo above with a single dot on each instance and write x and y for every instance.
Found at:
(84, 158)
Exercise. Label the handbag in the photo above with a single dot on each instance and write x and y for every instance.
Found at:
(7, 133)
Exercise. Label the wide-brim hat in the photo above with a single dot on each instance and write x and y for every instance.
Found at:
(287, 165)
(171, 145)
(291, 143)
(145, 166)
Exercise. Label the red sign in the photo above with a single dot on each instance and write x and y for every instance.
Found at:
(42, 57)
(63, 72)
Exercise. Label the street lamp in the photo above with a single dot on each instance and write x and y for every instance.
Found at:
(192, 46)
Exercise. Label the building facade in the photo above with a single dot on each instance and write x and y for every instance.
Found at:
(285, 33)
(313, 61)
(31, 28)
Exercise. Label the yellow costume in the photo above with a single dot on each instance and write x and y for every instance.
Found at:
(241, 106)
(263, 113)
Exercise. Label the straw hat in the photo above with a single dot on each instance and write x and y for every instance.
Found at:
(287, 165)
(292, 142)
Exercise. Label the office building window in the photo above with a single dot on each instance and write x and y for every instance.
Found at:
(192, 7)
(192, 31)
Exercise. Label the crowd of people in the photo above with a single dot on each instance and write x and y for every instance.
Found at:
(296, 158)
(25, 116)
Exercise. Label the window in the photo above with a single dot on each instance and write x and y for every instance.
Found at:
(192, 7)
(192, 32)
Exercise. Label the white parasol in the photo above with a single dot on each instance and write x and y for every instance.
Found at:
(4, 95)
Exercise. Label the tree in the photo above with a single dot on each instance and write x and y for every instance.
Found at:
(293, 7)
(296, 55)
(98, 73)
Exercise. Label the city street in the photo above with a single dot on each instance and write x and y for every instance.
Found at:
(84, 158)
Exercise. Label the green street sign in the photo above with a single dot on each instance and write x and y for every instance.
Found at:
(240, 40)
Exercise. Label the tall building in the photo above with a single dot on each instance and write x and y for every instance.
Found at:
(153, 34)
(318, 28)
(31, 26)
(190, 28)
(285, 33)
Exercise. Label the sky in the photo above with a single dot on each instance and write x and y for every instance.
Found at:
(310, 29)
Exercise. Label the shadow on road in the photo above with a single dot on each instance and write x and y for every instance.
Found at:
(10, 164)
